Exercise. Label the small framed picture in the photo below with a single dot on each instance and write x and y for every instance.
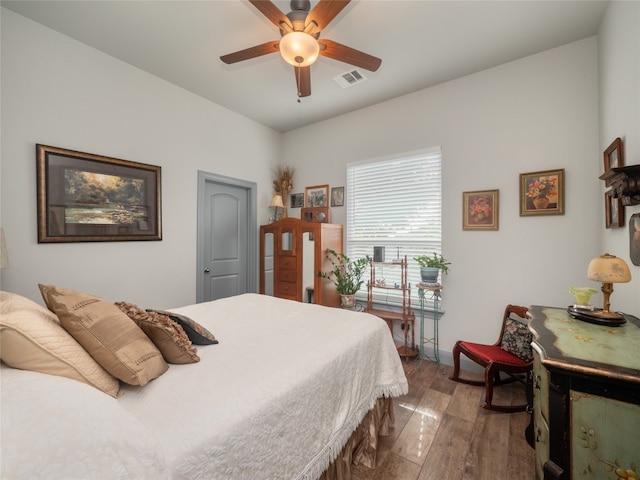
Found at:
(613, 157)
(480, 210)
(297, 200)
(542, 193)
(337, 196)
(316, 196)
(614, 212)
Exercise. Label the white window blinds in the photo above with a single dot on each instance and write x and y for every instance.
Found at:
(395, 203)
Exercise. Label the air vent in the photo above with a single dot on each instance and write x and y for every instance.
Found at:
(350, 78)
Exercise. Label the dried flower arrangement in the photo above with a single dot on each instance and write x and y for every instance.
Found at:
(283, 183)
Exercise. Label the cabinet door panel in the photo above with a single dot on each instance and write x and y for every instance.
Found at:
(604, 436)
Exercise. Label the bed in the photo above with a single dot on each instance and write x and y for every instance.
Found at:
(291, 391)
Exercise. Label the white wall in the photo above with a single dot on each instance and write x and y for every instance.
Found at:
(537, 113)
(619, 70)
(59, 92)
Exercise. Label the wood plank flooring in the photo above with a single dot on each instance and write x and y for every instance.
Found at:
(441, 432)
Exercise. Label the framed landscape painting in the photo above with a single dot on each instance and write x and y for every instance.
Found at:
(84, 197)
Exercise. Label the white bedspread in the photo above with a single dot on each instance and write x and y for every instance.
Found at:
(277, 398)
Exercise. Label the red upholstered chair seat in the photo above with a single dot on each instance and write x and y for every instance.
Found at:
(492, 353)
(496, 360)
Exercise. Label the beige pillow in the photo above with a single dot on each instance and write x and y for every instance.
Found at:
(110, 337)
(31, 338)
(167, 335)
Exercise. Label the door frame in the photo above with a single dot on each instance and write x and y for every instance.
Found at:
(252, 228)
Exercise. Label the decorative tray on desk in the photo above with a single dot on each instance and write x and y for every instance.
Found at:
(591, 316)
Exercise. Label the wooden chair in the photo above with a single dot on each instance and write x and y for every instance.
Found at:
(497, 358)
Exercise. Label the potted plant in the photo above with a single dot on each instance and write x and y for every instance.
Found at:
(346, 275)
(431, 266)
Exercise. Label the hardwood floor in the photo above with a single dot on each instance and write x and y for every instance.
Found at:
(441, 432)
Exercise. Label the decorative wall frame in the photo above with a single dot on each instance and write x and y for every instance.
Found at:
(634, 238)
(316, 196)
(84, 197)
(542, 193)
(297, 200)
(480, 210)
(337, 197)
(614, 212)
(613, 157)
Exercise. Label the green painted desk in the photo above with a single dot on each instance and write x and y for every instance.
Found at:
(586, 396)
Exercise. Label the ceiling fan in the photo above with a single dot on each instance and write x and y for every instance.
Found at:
(300, 44)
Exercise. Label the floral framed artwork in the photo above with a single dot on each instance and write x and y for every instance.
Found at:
(337, 197)
(480, 210)
(316, 196)
(614, 212)
(84, 197)
(613, 157)
(297, 200)
(542, 193)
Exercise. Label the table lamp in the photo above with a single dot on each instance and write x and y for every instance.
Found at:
(608, 269)
(276, 202)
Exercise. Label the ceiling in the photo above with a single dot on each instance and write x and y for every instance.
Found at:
(421, 43)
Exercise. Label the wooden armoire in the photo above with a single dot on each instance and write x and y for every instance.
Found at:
(292, 252)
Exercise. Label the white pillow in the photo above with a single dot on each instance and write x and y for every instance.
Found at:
(31, 338)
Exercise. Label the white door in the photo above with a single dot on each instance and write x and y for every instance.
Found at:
(226, 237)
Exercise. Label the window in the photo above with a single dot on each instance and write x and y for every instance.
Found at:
(395, 203)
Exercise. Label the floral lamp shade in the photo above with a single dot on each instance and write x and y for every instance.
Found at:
(608, 269)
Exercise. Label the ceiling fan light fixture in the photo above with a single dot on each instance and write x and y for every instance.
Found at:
(299, 49)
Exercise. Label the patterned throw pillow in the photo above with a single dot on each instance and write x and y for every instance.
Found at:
(110, 337)
(168, 336)
(517, 340)
(196, 332)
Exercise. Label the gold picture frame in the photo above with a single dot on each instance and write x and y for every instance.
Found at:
(480, 210)
(542, 193)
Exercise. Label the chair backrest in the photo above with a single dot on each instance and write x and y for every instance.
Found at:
(515, 336)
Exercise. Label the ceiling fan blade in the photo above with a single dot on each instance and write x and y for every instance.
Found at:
(325, 11)
(273, 13)
(303, 80)
(251, 52)
(337, 51)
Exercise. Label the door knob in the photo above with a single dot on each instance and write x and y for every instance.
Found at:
(206, 270)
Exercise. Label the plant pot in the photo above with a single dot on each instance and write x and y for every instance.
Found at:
(347, 301)
(429, 274)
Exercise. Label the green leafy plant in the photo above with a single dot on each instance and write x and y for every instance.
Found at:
(346, 274)
(434, 261)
